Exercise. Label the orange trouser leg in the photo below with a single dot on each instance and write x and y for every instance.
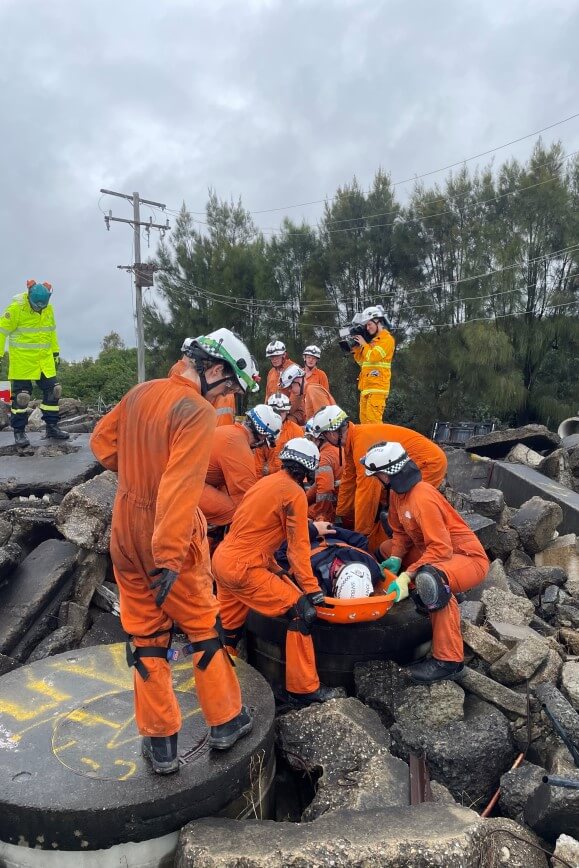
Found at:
(463, 572)
(192, 604)
(372, 407)
(216, 505)
(241, 587)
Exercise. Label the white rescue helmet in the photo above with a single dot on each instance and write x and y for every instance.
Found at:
(224, 346)
(353, 581)
(301, 450)
(275, 348)
(312, 350)
(280, 402)
(265, 421)
(329, 418)
(369, 313)
(291, 373)
(388, 458)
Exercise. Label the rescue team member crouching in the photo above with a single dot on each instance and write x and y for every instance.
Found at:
(375, 360)
(360, 497)
(231, 470)
(277, 354)
(248, 577)
(28, 323)
(158, 440)
(267, 457)
(440, 554)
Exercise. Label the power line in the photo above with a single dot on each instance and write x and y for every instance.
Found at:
(433, 171)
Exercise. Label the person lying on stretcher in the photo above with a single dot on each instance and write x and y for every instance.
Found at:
(340, 561)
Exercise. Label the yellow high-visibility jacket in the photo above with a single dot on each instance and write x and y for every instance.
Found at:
(32, 338)
(375, 360)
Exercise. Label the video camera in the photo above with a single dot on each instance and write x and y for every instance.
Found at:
(346, 340)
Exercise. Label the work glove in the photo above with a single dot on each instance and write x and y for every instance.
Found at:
(165, 581)
(400, 585)
(316, 598)
(56, 360)
(391, 564)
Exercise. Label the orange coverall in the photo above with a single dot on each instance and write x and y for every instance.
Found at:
(272, 382)
(316, 375)
(323, 494)
(360, 495)
(247, 576)
(267, 457)
(316, 397)
(225, 409)
(150, 439)
(230, 473)
(427, 530)
(375, 360)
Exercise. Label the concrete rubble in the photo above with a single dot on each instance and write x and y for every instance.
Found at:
(521, 633)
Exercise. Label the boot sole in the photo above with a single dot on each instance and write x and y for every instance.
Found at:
(225, 742)
(168, 768)
(453, 677)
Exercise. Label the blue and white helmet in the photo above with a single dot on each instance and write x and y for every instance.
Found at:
(265, 421)
(301, 450)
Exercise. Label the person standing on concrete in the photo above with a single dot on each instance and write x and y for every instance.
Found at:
(28, 323)
(158, 439)
(374, 355)
(440, 554)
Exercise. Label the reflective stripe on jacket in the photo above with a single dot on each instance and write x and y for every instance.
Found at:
(375, 361)
(32, 339)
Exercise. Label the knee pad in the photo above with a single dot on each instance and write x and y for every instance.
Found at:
(57, 392)
(52, 396)
(432, 588)
(23, 400)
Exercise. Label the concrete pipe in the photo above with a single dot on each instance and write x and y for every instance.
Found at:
(568, 426)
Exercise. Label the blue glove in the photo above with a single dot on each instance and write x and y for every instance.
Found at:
(392, 565)
(400, 585)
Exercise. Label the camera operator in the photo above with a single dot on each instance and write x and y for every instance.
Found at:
(374, 352)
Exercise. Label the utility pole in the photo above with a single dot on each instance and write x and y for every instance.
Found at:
(142, 272)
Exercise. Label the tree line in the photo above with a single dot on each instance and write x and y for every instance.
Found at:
(479, 276)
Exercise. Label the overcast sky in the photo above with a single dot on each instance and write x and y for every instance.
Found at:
(276, 101)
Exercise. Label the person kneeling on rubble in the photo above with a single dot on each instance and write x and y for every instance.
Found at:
(247, 577)
(440, 553)
(340, 561)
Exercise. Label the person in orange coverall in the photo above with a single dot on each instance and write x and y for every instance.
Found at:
(440, 554)
(267, 457)
(231, 470)
(323, 494)
(374, 355)
(225, 409)
(247, 576)
(277, 354)
(360, 496)
(158, 440)
(314, 374)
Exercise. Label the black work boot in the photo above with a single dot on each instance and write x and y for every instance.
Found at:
(54, 432)
(161, 751)
(322, 694)
(20, 438)
(433, 670)
(225, 735)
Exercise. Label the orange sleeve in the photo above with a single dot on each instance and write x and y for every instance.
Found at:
(238, 468)
(401, 542)
(437, 540)
(193, 423)
(324, 380)
(298, 540)
(260, 456)
(346, 497)
(104, 438)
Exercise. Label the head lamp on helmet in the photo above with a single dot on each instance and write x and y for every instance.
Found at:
(280, 402)
(275, 348)
(312, 350)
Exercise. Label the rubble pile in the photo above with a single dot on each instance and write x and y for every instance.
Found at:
(521, 632)
(75, 417)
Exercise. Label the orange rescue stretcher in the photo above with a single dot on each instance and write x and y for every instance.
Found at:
(359, 609)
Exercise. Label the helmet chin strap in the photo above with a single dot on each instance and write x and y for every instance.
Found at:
(205, 386)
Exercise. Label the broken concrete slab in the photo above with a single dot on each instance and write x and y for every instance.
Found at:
(518, 560)
(467, 756)
(40, 474)
(517, 786)
(535, 579)
(34, 586)
(536, 521)
(106, 598)
(106, 630)
(431, 706)
(7, 664)
(5, 531)
(521, 662)
(563, 552)
(566, 850)
(485, 646)
(498, 542)
(472, 611)
(505, 606)
(85, 513)
(570, 639)
(465, 472)
(523, 483)
(489, 690)
(570, 682)
(560, 708)
(62, 639)
(498, 443)
(549, 671)
(510, 634)
(556, 466)
(495, 578)
(380, 685)
(552, 810)
(489, 502)
(566, 616)
(10, 556)
(72, 615)
(521, 454)
(401, 837)
(89, 575)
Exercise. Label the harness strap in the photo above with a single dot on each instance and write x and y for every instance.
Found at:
(134, 655)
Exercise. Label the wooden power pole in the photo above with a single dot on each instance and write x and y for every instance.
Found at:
(142, 271)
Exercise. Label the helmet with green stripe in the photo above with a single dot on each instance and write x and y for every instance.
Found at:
(223, 346)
